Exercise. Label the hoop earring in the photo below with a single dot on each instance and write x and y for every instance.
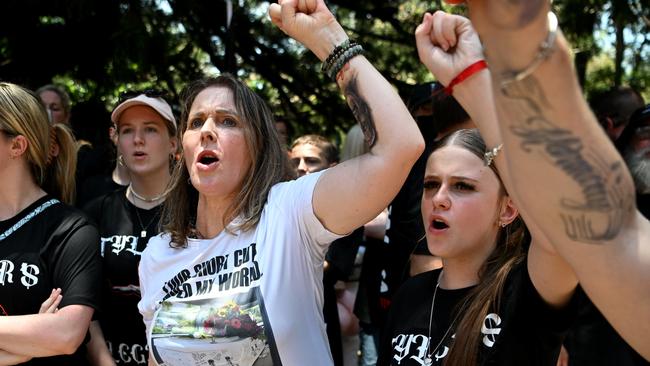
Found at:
(120, 160)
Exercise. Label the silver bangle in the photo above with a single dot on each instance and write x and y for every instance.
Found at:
(545, 50)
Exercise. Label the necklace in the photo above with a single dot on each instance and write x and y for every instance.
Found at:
(143, 232)
(145, 199)
(428, 360)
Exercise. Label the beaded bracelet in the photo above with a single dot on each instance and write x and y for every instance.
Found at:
(343, 59)
(336, 53)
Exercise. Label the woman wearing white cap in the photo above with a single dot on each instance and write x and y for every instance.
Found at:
(127, 218)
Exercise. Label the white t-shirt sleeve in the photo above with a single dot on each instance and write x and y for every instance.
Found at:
(144, 271)
(294, 199)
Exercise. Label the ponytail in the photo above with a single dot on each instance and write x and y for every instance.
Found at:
(61, 164)
(51, 153)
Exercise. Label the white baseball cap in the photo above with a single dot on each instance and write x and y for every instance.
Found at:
(158, 104)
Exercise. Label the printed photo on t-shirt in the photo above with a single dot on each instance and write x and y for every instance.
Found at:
(227, 330)
(214, 314)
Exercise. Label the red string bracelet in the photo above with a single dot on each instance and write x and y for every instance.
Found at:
(469, 71)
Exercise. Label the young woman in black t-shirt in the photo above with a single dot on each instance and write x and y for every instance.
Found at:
(43, 242)
(483, 307)
(127, 218)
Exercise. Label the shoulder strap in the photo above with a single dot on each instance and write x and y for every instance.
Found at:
(27, 218)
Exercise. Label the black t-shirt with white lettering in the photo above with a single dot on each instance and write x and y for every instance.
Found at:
(524, 331)
(124, 230)
(46, 246)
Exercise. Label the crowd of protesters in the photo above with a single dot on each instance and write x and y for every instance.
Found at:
(490, 218)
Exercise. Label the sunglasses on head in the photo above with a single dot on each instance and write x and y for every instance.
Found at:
(151, 93)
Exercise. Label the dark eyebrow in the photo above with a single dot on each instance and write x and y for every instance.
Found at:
(454, 177)
(458, 177)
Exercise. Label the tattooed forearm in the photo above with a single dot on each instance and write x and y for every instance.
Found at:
(361, 111)
(598, 214)
(566, 152)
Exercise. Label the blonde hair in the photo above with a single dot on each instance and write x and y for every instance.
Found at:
(21, 113)
(355, 144)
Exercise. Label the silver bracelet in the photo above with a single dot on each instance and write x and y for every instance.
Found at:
(545, 50)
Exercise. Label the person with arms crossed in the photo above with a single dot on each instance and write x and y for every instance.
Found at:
(44, 243)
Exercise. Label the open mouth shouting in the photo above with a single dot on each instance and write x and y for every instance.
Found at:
(438, 225)
(207, 160)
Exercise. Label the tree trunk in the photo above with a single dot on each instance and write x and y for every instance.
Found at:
(581, 60)
(620, 48)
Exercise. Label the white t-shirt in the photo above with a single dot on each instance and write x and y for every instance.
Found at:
(254, 298)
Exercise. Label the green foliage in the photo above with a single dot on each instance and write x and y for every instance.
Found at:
(98, 49)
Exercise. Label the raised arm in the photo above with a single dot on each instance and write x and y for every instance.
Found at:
(564, 173)
(355, 191)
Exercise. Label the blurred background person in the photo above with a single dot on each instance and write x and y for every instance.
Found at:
(87, 123)
(100, 184)
(614, 107)
(285, 131)
(634, 145)
(57, 103)
(312, 153)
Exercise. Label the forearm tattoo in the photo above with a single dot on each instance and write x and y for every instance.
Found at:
(598, 213)
(361, 111)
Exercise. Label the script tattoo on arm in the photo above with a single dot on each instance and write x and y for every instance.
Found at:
(361, 111)
(597, 215)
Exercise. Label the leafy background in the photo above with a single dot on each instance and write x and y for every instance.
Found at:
(98, 49)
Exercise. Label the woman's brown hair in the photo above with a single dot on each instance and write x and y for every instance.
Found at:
(51, 151)
(270, 163)
(486, 296)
